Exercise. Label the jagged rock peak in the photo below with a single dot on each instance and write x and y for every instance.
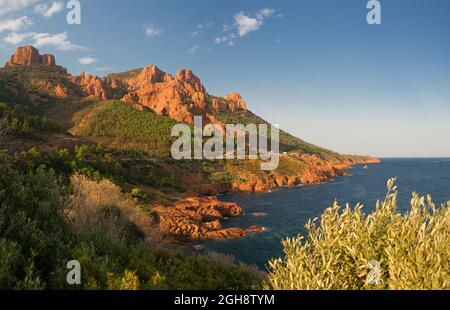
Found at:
(190, 78)
(153, 74)
(28, 56)
(92, 85)
(232, 102)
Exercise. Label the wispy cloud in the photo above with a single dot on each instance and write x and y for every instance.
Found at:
(243, 25)
(200, 28)
(59, 41)
(15, 25)
(87, 60)
(152, 31)
(8, 6)
(247, 24)
(228, 39)
(194, 50)
(17, 38)
(265, 13)
(104, 68)
(49, 10)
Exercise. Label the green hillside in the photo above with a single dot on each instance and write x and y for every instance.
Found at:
(119, 125)
(16, 122)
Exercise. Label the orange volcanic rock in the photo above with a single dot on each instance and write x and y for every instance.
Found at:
(28, 56)
(233, 102)
(48, 60)
(316, 170)
(61, 91)
(199, 218)
(57, 88)
(186, 76)
(92, 86)
(181, 97)
(236, 102)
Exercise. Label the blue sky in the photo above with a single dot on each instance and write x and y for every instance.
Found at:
(313, 66)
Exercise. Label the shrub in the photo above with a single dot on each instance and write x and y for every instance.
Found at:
(412, 249)
(15, 122)
(102, 206)
(34, 237)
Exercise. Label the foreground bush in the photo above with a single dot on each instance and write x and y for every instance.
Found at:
(342, 251)
(44, 223)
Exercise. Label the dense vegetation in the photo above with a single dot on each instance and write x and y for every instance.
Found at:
(18, 123)
(38, 239)
(343, 250)
(123, 127)
(98, 163)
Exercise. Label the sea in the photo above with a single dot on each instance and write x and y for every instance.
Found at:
(285, 211)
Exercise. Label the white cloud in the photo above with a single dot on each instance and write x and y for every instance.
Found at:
(87, 60)
(246, 24)
(152, 31)
(15, 25)
(49, 10)
(264, 13)
(8, 6)
(228, 39)
(243, 25)
(194, 49)
(17, 38)
(200, 28)
(59, 41)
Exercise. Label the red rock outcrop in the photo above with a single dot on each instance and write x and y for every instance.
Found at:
(48, 60)
(181, 97)
(56, 88)
(92, 86)
(230, 103)
(28, 56)
(316, 170)
(199, 219)
(235, 102)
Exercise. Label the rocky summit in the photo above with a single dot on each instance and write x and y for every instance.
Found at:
(28, 55)
(179, 97)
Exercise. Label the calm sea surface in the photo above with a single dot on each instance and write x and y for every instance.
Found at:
(287, 210)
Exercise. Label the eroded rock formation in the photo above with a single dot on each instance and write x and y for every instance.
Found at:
(28, 56)
(92, 86)
(181, 97)
(199, 219)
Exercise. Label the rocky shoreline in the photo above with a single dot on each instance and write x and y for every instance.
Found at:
(199, 218)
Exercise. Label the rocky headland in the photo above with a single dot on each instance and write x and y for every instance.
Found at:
(179, 97)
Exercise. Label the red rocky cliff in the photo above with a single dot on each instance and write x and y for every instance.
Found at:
(28, 56)
(92, 86)
(181, 97)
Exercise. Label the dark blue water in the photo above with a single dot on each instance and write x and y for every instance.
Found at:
(288, 210)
